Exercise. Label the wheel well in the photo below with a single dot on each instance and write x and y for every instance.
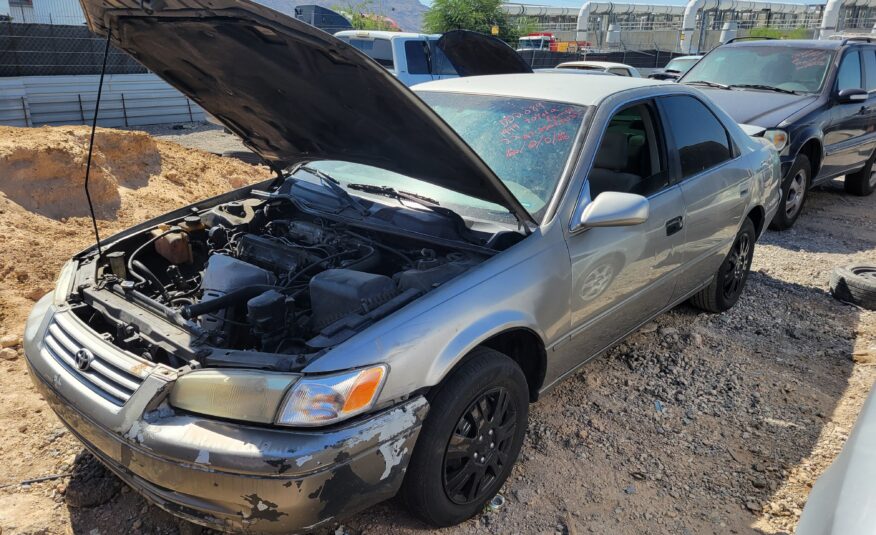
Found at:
(757, 216)
(812, 150)
(527, 350)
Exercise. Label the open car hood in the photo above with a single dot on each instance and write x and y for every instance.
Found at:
(294, 93)
(476, 54)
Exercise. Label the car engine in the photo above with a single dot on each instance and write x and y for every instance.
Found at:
(260, 275)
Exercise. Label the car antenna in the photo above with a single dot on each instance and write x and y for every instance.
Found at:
(91, 142)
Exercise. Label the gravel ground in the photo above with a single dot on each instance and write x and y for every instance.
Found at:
(203, 136)
(696, 424)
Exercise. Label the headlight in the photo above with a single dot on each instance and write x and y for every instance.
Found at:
(328, 399)
(779, 138)
(65, 279)
(245, 395)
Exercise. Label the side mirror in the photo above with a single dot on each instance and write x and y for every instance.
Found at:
(615, 209)
(847, 96)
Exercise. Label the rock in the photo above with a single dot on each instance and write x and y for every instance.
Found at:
(10, 340)
(630, 490)
(648, 328)
(8, 354)
(667, 331)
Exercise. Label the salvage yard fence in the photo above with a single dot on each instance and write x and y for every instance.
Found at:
(128, 100)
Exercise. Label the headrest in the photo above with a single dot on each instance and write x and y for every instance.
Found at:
(612, 153)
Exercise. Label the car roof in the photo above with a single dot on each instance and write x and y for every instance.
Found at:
(606, 64)
(830, 44)
(582, 90)
(382, 34)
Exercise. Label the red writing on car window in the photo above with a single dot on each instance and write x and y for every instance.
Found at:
(536, 126)
(809, 58)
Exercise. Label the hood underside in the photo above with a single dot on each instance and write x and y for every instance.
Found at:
(294, 93)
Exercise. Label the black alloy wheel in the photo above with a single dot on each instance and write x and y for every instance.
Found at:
(729, 282)
(735, 267)
(470, 439)
(479, 447)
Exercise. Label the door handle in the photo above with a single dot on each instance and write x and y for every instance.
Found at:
(674, 225)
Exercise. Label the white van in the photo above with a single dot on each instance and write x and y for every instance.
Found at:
(412, 57)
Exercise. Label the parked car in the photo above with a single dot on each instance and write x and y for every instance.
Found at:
(412, 57)
(376, 319)
(675, 68)
(812, 97)
(619, 69)
(841, 501)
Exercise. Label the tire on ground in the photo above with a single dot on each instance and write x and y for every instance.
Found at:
(855, 284)
(781, 221)
(712, 298)
(862, 182)
(423, 490)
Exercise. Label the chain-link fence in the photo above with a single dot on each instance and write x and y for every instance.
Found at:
(48, 49)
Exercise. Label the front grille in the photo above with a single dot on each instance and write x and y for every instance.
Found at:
(109, 376)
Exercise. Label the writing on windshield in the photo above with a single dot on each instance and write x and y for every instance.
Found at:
(537, 125)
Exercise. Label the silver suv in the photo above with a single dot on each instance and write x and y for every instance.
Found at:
(377, 318)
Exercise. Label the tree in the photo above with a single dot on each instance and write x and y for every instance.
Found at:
(475, 15)
(363, 17)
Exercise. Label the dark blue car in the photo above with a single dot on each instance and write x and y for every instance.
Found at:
(816, 100)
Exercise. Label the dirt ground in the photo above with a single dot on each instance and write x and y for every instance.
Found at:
(696, 424)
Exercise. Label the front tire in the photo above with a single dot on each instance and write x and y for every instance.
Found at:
(794, 192)
(470, 440)
(729, 282)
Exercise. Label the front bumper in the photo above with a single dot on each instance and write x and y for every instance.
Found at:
(226, 476)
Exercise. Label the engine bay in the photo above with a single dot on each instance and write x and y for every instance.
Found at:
(261, 276)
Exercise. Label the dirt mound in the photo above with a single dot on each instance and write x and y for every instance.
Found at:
(42, 200)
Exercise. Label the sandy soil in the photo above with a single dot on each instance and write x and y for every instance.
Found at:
(696, 424)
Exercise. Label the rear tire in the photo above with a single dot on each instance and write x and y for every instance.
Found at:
(863, 182)
(729, 282)
(795, 188)
(469, 441)
(855, 284)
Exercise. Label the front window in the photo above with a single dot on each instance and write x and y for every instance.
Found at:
(787, 68)
(527, 143)
(380, 50)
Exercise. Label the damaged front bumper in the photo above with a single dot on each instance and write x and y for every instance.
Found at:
(226, 476)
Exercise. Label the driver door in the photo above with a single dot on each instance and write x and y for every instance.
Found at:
(623, 275)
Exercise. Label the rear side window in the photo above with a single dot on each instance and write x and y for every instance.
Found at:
(849, 75)
(619, 71)
(380, 50)
(701, 139)
(415, 52)
(870, 67)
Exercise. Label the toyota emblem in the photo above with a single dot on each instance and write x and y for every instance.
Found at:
(84, 358)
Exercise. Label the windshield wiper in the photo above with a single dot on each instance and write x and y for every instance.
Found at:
(766, 88)
(387, 191)
(335, 186)
(427, 202)
(708, 83)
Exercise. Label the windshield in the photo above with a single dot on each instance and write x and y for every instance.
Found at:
(791, 69)
(527, 143)
(681, 65)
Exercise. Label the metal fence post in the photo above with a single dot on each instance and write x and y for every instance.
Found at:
(124, 111)
(189, 105)
(24, 111)
(81, 111)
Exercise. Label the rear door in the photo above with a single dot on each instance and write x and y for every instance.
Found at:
(714, 185)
